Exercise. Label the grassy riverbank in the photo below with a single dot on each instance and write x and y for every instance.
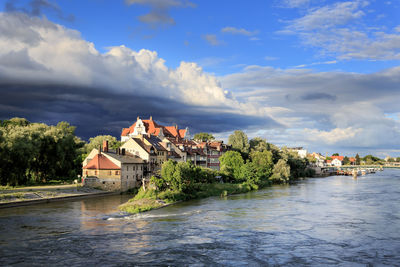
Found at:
(151, 199)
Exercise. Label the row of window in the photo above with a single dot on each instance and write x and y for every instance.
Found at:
(135, 168)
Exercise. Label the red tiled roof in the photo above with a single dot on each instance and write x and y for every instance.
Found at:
(153, 128)
(352, 159)
(101, 162)
(338, 157)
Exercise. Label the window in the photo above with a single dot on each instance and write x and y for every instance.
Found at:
(116, 172)
(95, 172)
(87, 173)
(127, 168)
(109, 172)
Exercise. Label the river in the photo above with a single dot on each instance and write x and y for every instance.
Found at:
(323, 221)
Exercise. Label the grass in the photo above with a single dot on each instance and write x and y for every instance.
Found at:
(10, 196)
(150, 199)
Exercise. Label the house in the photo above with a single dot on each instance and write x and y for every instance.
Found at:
(337, 160)
(149, 149)
(112, 170)
(353, 161)
(300, 151)
(149, 126)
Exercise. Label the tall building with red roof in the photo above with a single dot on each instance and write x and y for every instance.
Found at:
(146, 127)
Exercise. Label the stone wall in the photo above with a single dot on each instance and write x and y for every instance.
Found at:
(107, 184)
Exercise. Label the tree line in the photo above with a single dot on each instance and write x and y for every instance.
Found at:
(32, 153)
(253, 163)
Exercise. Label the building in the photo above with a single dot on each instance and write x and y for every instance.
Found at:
(300, 151)
(112, 170)
(144, 127)
(337, 161)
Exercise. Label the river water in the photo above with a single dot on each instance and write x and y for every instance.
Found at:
(324, 221)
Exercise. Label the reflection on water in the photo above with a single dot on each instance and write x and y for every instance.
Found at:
(329, 221)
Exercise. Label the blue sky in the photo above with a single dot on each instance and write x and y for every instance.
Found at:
(318, 74)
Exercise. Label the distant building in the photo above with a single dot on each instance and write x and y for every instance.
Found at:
(300, 151)
(112, 170)
(144, 127)
(337, 161)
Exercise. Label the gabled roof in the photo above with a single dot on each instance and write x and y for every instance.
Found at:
(340, 158)
(124, 158)
(101, 162)
(154, 128)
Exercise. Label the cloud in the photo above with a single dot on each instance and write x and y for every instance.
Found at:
(239, 31)
(324, 110)
(339, 30)
(36, 7)
(53, 74)
(212, 39)
(296, 3)
(159, 11)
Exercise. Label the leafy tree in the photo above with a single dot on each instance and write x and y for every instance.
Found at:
(398, 159)
(335, 154)
(95, 142)
(239, 141)
(167, 171)
(258, 144)
(281, 172)
(231, 163)
(358, 160)
(204, 137)
(346, 160)
(263, 164)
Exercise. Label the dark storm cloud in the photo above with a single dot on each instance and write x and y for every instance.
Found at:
(96, 111)
(318, 96)
(36, 7)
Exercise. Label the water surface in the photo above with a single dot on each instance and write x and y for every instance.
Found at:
(326, 221)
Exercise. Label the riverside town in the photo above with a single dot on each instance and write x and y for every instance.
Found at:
(199, 133)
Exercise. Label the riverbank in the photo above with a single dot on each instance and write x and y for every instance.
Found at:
(151, 199)
(13, 197)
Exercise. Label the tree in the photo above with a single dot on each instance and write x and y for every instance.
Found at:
(96, 142)
(239, 141)
(258, 144)
(346, 160)
(358, 160)
(231, 163)
(335, 154)
(398, 159)
(203, 137)
(263, 164)
(281, 172)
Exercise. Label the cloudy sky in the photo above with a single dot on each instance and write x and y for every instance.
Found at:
(320, 74)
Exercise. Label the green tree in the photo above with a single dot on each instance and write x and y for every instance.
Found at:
(95, 142)
(167, 172)
(398, 159)
(263, 164)
(281, 172)
(231, 163)
(239, 141)
(203, 137)
(346, 160)
(358, 160)
(258, 144)
(335, 154)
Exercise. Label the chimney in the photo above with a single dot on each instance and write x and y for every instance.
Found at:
(105, 145)
(99, 149)
(123, 151)
(137, 118)
(151, 118)
(176, 127)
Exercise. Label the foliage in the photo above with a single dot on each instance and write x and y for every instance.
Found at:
(335, 154)
(369, 159)
(281, 172)
(231, 163)
(36, 153)
(346, 161)
(239, 141)
(358, 160)
(258, 144)
(96, 142)
(204, 137)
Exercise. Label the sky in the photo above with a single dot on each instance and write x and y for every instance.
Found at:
(324, 75)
